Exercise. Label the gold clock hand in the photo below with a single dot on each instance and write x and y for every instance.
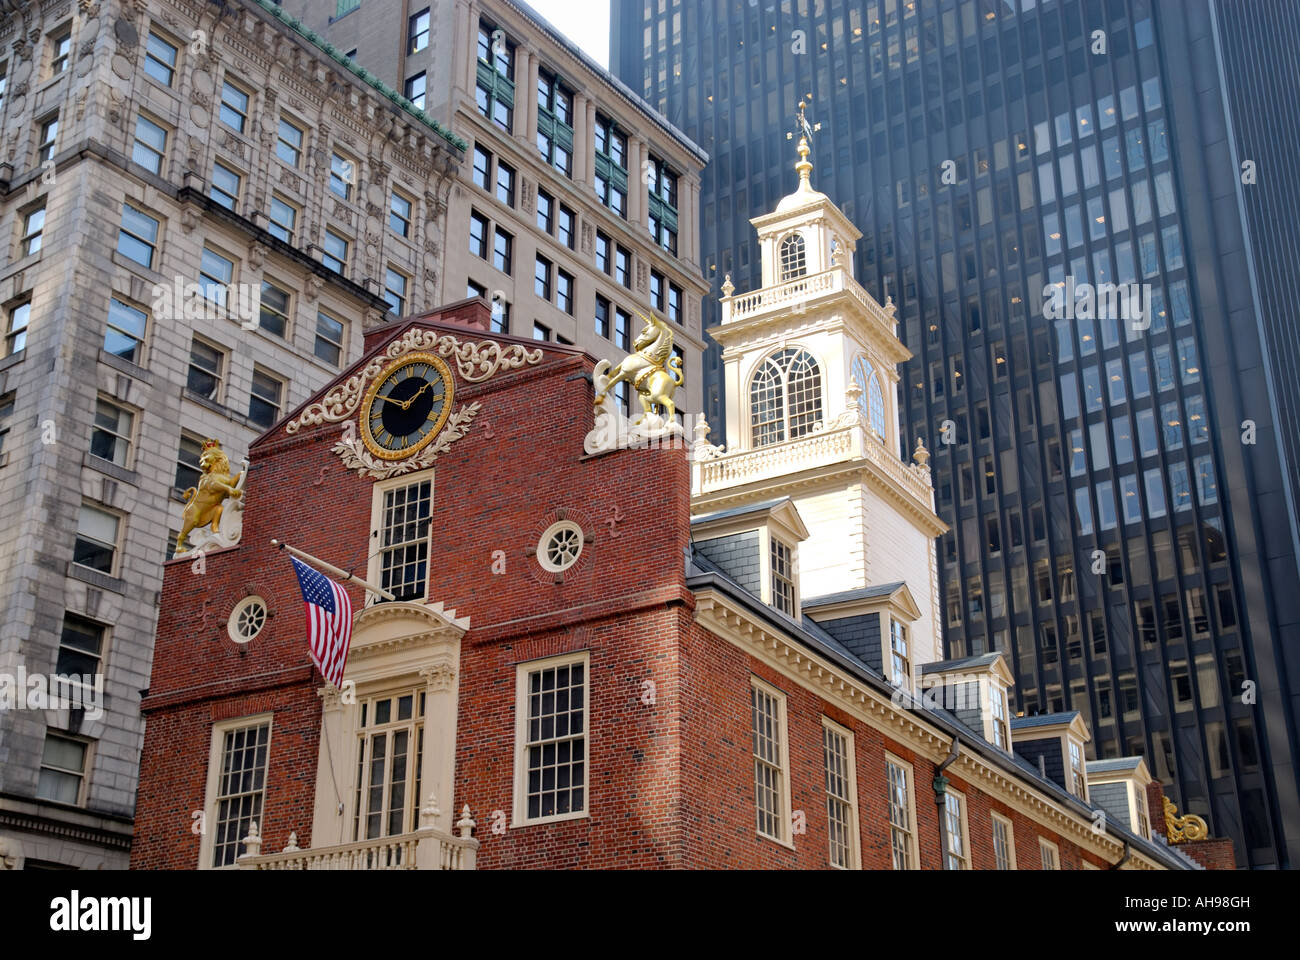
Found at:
(406, 404)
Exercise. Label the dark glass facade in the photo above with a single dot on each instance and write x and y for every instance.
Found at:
(1121, 491)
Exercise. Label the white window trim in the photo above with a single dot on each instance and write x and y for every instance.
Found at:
(209, 819)
(965, 829)
(783, 741)
(519, 816)
(913, 849)
(87, 764)
(374, 567)
(851, 773)
(1043, 846)
(1011, 839)
(766, 536)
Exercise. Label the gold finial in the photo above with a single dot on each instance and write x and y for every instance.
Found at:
(805, 131)
(1182, 829)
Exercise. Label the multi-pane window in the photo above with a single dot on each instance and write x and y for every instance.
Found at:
(288, 143)
(395, 285)
(241, 789)
(623, 266)
(334, 253)
(542, 278)
(1048, 854)
(502, 250)
(274, 313)
(482, 168)
(390, 753)
(33, 231)
(215, 275)
(399, 214)
(343, 174)
(957, 856)
(611, 165)
(785, 397)
(603, 246)
(160, 59)
(417, 31)
(150, 144)
(767, 709)
(4, 82)
(478, 235)
(329, 338)
(1078, 782)
(554, 122)
(282, 219)
(794, 257)
(622, 329)
(565, 227)
(265, 399)
(6, 414)
(500, 315)
(110, 435)
(541, 331)
(900, 661)
(404, 539)
(545, 211)
(81, 648)
(20, 317)
(506, 183)
(1004, 844)
(124, 336)
(97, 539)
(551, 740)
(494, 90)
(657, 290)
(602, 316)
(661, 213)
(188, 469)
(45, 142)
(60, 47)
(841, 813)
(674, 303)
(63, 769)
(416, 88)
(564, 291)
(138, 236)
(901, 820)
(234, 107)
(782, 561)
(225, 186)
(998, 709)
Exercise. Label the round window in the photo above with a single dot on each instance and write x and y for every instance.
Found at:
(247, 619)
(560, 546)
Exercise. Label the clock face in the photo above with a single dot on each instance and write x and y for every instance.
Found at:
(406, 406)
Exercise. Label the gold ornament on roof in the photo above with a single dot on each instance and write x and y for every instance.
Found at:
(1182, 829)
(654, 371)
(204, 504)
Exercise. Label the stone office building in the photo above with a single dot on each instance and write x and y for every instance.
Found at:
(577, 206)
(150, 145)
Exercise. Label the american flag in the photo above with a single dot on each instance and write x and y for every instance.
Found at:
(329, 621)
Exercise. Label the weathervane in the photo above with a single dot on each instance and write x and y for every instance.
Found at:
(802, 126)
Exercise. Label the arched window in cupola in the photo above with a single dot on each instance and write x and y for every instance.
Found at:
(794, 259)
(785, 397)
(872, 398)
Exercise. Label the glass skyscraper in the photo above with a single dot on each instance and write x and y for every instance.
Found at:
(1121, 484)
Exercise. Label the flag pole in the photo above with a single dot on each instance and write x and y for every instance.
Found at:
(330, 568)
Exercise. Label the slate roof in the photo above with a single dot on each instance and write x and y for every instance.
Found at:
(961, 663)
(1043, 720)
(739, 511)
(862, 593)
(1112, 764)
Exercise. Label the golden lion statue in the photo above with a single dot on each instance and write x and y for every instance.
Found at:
(654, 372)
(203, 505)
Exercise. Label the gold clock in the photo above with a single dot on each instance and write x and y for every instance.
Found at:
(406, 405)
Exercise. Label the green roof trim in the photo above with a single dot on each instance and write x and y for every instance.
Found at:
(362, 74)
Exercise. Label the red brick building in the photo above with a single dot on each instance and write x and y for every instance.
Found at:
(575, 670)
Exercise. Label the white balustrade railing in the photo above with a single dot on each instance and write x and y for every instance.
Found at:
(425, 849)
(834, 280)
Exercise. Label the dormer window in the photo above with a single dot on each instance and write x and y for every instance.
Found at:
(794, 260)
(998, 708)
(1078, 781)
(782, 562)
(785, 397)
(900, 661)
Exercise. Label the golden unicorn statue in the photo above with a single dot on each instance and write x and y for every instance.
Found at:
(203, 505)
(653, 371)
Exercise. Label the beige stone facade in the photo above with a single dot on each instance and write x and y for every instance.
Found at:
(149, 145)
(389, 38)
